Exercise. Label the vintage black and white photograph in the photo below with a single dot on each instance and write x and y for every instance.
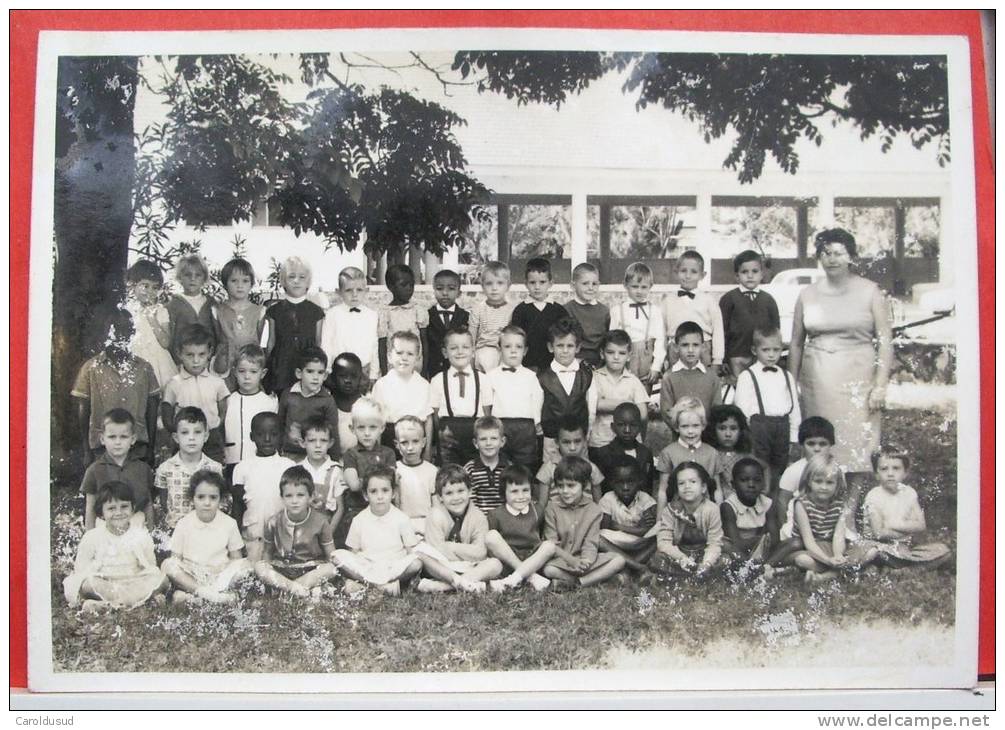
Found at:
(629, 360)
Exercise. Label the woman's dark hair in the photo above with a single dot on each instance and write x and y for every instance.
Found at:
(835, 235)
(708, 481)
(717, 415)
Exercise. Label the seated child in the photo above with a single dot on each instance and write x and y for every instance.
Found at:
(628, 527)
(416, 476)
(460, 395)
(195, 385)
(643, 321)
(593, 317)
(489, 316)
(402, 392)
(115, 562)
(536, 315)
(613, 385)
(514, 535)
(350, 328)
(687, 418)
(572, 522)
(485, 470)
(256, 482)
(626, 424)
(816, 436)
(144, 281)
(518, 398)
(748, 521)
(297, 541)
(174, 475)
(347, 375)
(380, 540)
(727, 432)
(401, 314)
(689, 541)
(691, 304)
(689, 377)
(118, 434)
(305, 399)
(115, 378)
(571, 442)
(565, 385)
(746, 309)
(206, 546)
(454, 553)
(767, 395)
(325, 471)
(367, 420)
(819, 524)
(894, 518)
(444, 316)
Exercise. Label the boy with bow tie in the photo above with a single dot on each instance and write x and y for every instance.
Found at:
(644, 324)
(689, 304)
(445, 315)
(565, 384)
(351, 326)
(518, 399)
(746, 309)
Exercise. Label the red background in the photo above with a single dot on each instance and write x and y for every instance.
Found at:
(24, 29)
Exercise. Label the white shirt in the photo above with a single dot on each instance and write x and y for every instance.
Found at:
(401, 397)
(778, 393)
(461, 406)
(416, 487)
(642, 323)
(704, 310)
(356, 332)
(517, 394)
(260, 476)
(566, 374)
(678, 366)
(237, 425)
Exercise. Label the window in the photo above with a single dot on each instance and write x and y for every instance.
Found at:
(775, 227)
(266, 213)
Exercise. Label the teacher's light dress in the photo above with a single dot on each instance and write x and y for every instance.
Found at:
(838, 367)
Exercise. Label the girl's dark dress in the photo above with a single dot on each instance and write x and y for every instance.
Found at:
(294, 328)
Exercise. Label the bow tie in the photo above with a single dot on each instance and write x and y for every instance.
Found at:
(445, 313)
(508, 369)
(685, 293)
(769, 369)
(639, 307)
(354, 309)
(751, 295)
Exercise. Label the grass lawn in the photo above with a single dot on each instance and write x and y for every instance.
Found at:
(604, 627)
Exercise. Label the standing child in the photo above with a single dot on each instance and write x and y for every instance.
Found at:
(687, 419)
(688, 377)
(454, 553)
(514, 535)
(819, 524)
(402, 392)
(628, 527)
(727, 432)
(593, 317)
(351, 327)
(565, 384)
(518, 399)
(485, 470)
(748, 520)
(816, 436)
(347, 374)
(416, 476)
(151, 319)
(490, 316)
(894, 518)
(367, 420)
(745, 309)
(325, 471)
(444, 316)
(294, 325)
(175, 474)
(613, 385)
(118, 434)
(244, 404)
(256, 482)
(206, 546)
(380, 539)
(115, 378)
(192, 306)
(241, 321)
(627, 425)
(401, 314)
(766, 393)
(571, 441)
(690, 304)
(297, 541)
(536, 315)
(306, 399)
(689, 541)
(115, 563)
(644, 324)
(196, 386)
(460, 395)
(572, 522)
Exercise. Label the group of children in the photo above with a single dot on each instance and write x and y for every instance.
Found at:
(453, 450)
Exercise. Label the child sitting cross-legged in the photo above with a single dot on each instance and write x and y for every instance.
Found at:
(515, 534)
(380, 540)
(689, 541)
(206, 546)
(572, 522)
(628, 527)
(297, 541)
(453, 554)
(748, 519)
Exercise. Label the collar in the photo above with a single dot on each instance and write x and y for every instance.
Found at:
(517, 513)
(186, 375)
(349, 309)
(608, 374)
(197, 299)
(561, 369)
(105, 458)
(503, 462)
(761, 367)
(678, 366)
(450, 310)
(200, 525)
(296, 300)
(755, 290)
(760, 506)
(298, 388)
(539, 305)
(502, 304)
(577, 300)
(392, 305)
(689, 448)
(291, 523)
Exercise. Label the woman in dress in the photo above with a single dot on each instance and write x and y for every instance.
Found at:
(840, 354)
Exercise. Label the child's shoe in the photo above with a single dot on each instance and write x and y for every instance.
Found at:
(427, 585)
(208, 594)
(471, 586)
(91, 605)
(538, 582)
(563, 585)
(392, 589)
(315, 596)
(181, 597)
(498, 586)
(353, 587)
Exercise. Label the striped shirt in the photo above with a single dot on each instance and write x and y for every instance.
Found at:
(486, 323)
(486, 483)
(823, 520)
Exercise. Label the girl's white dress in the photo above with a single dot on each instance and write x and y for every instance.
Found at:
(145, 344)
(122, 568)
